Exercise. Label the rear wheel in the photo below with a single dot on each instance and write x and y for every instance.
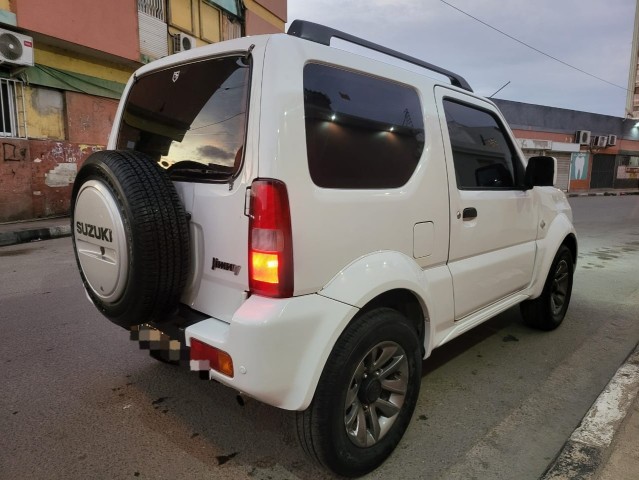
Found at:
(130, 236)
(366, 394)
(547, 311)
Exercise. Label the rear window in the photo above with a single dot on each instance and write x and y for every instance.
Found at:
(190, 118)
(361, 131)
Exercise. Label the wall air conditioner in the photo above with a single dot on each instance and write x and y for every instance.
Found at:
(599, 141)
(15, 48)
(612, 140)
(182, 42)
(582, 137)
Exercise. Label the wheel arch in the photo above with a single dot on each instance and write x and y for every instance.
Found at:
(560, 232)
(571, 242)
(409, 304)
(393, 279)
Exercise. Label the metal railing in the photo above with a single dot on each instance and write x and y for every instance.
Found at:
(155, 8)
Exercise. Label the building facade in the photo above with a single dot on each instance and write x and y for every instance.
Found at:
(63, 67)
(593, 151)
(632, 98)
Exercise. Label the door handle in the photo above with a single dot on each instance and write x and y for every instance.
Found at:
(470, 213)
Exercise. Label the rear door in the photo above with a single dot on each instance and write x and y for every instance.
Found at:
(492, 219)
(192, 119)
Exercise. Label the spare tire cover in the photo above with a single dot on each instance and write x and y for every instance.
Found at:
(130, 237)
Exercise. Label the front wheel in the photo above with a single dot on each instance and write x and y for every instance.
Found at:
(366, 394)
(547, 311)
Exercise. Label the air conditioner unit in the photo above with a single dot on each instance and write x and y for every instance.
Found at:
(182, 42)
(612, 140)
(582, 137)
(15, 48)
(599, 141)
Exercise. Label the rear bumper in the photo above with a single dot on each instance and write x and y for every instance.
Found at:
(278, 346)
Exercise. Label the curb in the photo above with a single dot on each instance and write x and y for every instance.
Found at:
(588, 448)
(24, 236)
(602, 194)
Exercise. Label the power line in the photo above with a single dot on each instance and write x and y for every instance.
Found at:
(533, 48)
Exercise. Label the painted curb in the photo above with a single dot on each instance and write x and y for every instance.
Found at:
(588, 447)
(24, 236)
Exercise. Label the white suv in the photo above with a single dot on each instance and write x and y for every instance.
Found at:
(305, 225)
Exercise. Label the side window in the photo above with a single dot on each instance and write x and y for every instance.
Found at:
(361, 131)
(482, 154)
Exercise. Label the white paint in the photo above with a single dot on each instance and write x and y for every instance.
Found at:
(565, 147)
(62, 175)
(37, 160)
(599, 425)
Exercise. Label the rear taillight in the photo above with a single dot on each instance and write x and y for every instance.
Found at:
(270, 240)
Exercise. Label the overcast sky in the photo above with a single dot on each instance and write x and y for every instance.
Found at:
(593, 35)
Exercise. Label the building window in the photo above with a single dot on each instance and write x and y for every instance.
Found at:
(12, 110)
(231, 27)
(629, 161)
(154, 8)
(230, 6)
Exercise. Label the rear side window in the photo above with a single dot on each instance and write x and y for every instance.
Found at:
(361, 131)
(484, 158)
(191, 118)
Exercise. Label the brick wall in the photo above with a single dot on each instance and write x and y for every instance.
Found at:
(36, 177)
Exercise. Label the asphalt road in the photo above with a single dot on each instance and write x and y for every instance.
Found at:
(79, 400)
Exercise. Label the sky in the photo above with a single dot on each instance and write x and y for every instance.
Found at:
(592, 35)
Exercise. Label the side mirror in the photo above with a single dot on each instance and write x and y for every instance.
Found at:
(540, 172)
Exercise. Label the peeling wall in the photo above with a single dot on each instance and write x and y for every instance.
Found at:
(89, 118)
(15, 181)
(45, 113)
(36, 177)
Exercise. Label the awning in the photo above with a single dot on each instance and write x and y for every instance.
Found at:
(71, 81)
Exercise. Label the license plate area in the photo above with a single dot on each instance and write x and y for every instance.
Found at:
(160, 345)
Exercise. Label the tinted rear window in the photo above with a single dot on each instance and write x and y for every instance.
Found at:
(361, 131)
(191, 118)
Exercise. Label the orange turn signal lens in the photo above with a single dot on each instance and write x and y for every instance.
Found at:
(265, 267)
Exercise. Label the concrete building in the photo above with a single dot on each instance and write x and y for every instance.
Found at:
(63, 67)
(632, 98)
(593, 151)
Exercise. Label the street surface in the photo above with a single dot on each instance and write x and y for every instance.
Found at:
(79, 400)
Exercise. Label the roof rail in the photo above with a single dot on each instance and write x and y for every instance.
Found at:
(322, 34)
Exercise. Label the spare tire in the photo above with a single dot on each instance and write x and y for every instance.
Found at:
(130, 236)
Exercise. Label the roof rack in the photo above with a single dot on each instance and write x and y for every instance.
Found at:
(322, 34)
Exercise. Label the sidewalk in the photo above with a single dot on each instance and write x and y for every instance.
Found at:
(605, 445)
(29, 231)
(604, 192)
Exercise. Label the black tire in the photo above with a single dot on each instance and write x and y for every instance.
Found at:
(135, 268)
(547, 311)
(328, 430)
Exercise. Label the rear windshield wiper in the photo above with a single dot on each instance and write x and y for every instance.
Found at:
(191, 168)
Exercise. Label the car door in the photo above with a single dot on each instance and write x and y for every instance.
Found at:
(492, 218)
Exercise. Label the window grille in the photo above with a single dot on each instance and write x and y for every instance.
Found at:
(13, 121)
(154, 8)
